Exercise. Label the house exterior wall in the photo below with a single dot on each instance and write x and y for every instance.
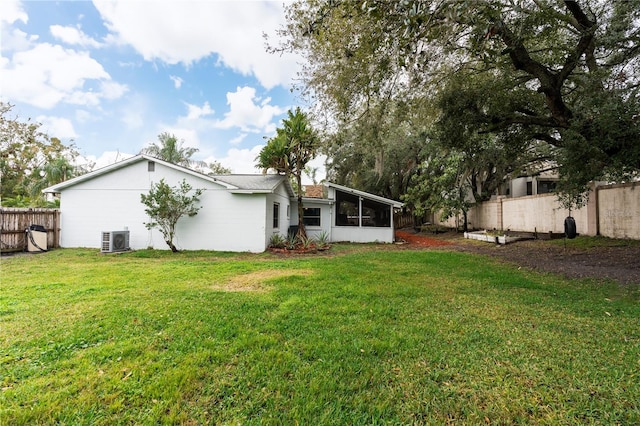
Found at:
(281, 197)
(111, 202)
(519, 186)
(357, 234)
(325, 217)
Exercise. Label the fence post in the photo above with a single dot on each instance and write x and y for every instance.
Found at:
(56, 228)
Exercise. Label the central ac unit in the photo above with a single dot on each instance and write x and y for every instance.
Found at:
(115, 241)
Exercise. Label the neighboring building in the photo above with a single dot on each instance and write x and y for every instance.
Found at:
(542, 183)
(239, 212)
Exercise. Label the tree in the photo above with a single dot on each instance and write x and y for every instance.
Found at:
(28, 158)
(166, 205)
(561, 73)
(216, 168)
(444, 184)
(55, 171)
(288, 153)
(171, 150)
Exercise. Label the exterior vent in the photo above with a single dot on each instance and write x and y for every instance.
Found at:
(115, 241)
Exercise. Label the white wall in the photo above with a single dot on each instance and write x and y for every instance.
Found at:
(357, 234)
(326, 209)
(549, 214)
(619, 211)
(519, 186)
(111, 202)
(280, 196)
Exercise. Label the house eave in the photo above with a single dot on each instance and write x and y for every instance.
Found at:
(314, 200)
(394, 203)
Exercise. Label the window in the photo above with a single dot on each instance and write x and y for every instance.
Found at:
(347, 209)
(276, 215)
(546, 186)
(311, 216)
(375, 214)
(151, 166)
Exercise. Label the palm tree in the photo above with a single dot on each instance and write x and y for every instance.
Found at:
(55, 171)
(171, 150)
(288, 153)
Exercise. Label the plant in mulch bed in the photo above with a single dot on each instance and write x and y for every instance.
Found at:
(294, 244)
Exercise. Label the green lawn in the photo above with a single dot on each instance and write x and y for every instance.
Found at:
(363, 336)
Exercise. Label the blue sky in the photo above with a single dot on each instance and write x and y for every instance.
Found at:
(109, 76)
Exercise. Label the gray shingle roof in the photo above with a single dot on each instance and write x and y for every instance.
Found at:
(253, 183)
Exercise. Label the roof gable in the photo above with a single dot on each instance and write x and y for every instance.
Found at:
(246, 184)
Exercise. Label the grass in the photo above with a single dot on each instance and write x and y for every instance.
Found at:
(588, 242)
(364, 336)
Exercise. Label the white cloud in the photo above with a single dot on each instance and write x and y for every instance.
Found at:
(132, 112)
(11, 11)
(83, 116)
(74, 36)
(111, 90)
(195, 112)
(58, 127)
(249, 112)
(47, 74)
(240, 161)
(185, 32)
(238, 140)
(105, 159)
(318, 164)
(177, 81)
(12, 38)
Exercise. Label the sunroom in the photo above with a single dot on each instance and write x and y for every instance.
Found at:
(347, 214)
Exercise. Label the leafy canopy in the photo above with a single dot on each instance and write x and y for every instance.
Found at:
(172, 150)
(557, 80)
(30, 160)
(289, 151)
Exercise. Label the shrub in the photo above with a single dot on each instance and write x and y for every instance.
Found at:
(277, 241)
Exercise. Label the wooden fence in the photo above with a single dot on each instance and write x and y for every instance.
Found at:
(403, 220)
(14, 222)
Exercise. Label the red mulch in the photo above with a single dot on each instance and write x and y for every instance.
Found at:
(421, 240)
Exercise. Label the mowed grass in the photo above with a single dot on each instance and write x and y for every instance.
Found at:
(366, 336)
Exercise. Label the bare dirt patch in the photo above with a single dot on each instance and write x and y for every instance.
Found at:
(258, 281)
(421, 240)
(617, 262)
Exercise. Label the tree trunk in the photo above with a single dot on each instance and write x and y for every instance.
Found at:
(172, 246)
(465, 225)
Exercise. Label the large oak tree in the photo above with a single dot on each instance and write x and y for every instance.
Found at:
(557, 80)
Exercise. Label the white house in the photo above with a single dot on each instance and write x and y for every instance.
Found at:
(239, 212)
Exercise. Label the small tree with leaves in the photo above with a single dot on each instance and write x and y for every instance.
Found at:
(166, 205)
(288, 153)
